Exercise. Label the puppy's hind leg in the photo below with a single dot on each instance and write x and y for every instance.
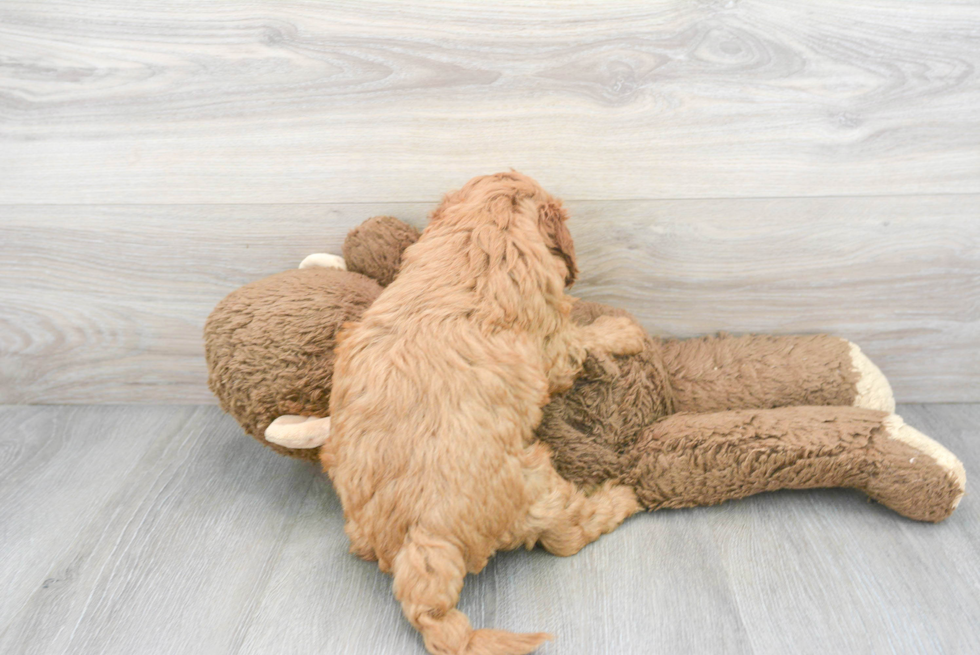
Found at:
(429, 574)
(565, 520)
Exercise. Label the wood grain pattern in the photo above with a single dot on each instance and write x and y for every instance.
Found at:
(177, 535)
(165, 529)
(299, 101)
(56, 475)
(107, 304)
(898, 276)
(883, 607)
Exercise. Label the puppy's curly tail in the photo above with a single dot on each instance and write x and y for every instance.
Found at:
(429, 574)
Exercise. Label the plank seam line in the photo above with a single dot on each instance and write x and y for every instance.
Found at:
(431, 201)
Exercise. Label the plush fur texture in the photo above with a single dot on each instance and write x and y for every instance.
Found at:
(374, 249)
(683, 422)
(696, 459)
(437, 394)
(270, 345)
(596, 428)
(711, 374)
(702, 421)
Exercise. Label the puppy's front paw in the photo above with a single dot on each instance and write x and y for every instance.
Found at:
(618, 335)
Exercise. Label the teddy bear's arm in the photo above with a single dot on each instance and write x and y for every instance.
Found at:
(688, 460)
(759, 371)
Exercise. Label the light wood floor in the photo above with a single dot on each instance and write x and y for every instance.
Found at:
(151, 529)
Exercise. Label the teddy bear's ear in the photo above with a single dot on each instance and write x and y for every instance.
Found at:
(551, 222)
(375, 247)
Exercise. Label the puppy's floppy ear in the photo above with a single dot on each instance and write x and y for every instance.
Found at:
(551, 222)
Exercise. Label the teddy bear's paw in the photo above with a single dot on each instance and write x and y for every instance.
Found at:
(930, 485)
(299, 432)
(323, 260)
(873, 390)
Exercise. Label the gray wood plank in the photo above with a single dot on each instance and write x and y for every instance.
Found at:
(320, 598)
(171, 557)
(205, 542)
(58, 470)
(617, 596)
(300, 101)
(107, 303)
(826, 571)
(209, 543)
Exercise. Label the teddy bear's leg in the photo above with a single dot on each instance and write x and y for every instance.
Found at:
(563, 518)
(872, 390)
(758, 371)
(687, 460)
(294, 431)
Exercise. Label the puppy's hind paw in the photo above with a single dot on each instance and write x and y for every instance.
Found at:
(617, 335)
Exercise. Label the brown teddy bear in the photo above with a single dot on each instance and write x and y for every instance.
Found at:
(685, 422)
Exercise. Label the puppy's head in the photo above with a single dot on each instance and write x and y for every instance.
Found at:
(513, 201)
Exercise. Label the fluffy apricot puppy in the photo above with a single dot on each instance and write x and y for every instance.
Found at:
(437, 392)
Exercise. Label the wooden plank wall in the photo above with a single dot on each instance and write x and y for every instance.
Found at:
(738, 166)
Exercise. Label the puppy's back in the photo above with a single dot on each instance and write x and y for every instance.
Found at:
(429, 417)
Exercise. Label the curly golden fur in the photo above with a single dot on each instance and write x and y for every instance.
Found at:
(438, 390)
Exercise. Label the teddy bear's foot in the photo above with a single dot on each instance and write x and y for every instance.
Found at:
(872, 388)
(300, 432)
(323, 260)
(918, 477)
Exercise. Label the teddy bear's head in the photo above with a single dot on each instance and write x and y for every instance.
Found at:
(374, 248)
(269, 344)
